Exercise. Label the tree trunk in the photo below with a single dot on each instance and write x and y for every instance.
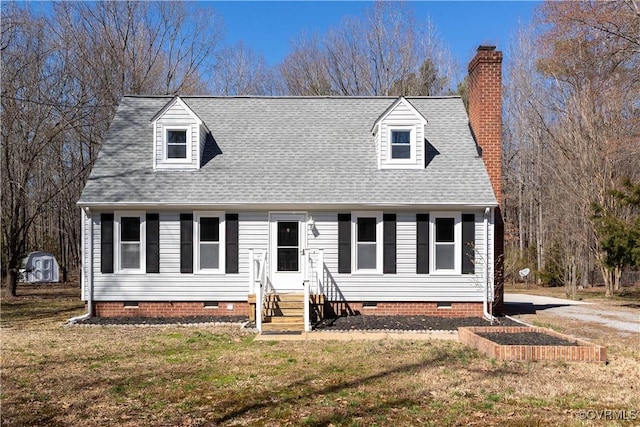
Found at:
(12, 281)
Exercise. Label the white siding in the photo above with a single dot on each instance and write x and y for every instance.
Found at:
(406, 285)
(170, 284)
(177, 115)
(401, 116)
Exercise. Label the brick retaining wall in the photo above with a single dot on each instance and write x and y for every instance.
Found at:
(583, 352)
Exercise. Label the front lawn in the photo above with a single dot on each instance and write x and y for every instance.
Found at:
(200, 376)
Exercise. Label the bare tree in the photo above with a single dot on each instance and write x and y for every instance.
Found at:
(63, 75)
(385, 52)
(305, 70)
(242, 71)
(572, 133)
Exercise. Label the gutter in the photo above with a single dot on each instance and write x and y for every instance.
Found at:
(89, 273)
(485, 300)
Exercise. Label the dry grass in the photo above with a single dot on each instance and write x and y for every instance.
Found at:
(627, 295)
(193, 376)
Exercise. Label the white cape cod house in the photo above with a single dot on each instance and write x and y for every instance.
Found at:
(377, 205)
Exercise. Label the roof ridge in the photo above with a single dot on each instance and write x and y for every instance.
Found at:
(287, 97)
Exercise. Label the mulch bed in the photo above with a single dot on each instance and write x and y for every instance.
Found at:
(347, 323)
(162, 320)
(525, 338)
(405, 323)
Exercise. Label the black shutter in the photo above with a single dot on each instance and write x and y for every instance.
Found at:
(153, 243)
(389, 241)
(468, 243)
(106, 243)
(422, 243)
(231, 243)
(344, 243)
(186, 243)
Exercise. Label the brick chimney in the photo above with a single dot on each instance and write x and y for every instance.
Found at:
(485, 115)
(485, 110)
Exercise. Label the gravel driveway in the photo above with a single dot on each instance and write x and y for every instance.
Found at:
(623, 319)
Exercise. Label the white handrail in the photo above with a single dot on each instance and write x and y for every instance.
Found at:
(307, 282)
(258, 282)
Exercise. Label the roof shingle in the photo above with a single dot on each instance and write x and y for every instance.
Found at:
(289, 151)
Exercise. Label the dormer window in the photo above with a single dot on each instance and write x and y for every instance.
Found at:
(399, 135)
(179, 137)
(177, 146)
(400, 144)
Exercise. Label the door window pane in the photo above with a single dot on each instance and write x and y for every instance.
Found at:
(287, 233)
(287, 259)
(288, 246)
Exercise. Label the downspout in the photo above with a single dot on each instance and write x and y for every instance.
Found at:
(89, 274)
(487, 280)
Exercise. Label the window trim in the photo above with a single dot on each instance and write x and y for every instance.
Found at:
(412, 143)
(457, 243)
(197, 215)
(379, 241)
(165, 141)
(118, 215)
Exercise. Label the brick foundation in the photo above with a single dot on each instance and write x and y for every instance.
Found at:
(457, 309)
(170, 309)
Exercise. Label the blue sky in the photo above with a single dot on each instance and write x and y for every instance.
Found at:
(269, 26)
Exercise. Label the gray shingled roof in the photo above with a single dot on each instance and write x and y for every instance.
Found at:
(315, 151)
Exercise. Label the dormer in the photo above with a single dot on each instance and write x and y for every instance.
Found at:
(399, 137)
(178, 137)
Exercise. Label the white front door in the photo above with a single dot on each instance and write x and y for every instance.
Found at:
(287, 240)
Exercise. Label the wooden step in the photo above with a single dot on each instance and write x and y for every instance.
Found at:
(284, 297)
(283, 327)
(283, 319)
(284, 304)
(280, 311)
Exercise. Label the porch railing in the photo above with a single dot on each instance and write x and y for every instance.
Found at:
(259, 283)
(314, 278)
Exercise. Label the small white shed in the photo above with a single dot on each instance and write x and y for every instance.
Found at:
(40, 267)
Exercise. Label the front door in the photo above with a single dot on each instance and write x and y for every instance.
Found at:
(287, 242)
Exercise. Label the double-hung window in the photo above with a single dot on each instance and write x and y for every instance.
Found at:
(400, 144)
(209, 244)
(367, 235)
(177, 143)
(130, 246)
(446, 243)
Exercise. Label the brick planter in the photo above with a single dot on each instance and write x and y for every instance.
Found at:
(583, 352)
